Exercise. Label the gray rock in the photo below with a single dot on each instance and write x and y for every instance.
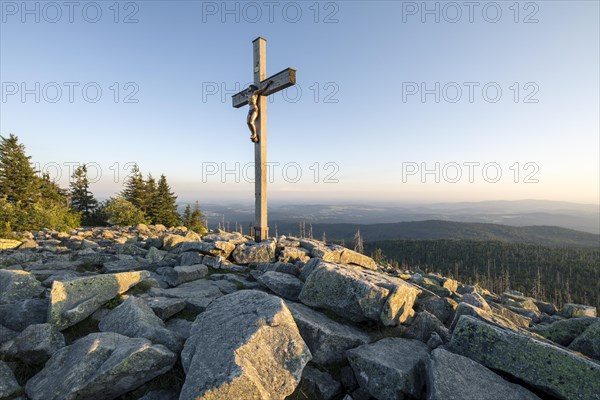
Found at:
(486, 316)
(216, 248)
(197, 294)
(190, 258)
(475, 299)
(327, 339)
(8, 384)
(434, 341)
(588, 342)
(308, 268)
(352, 257)
(517, 319)
(126, 265)
(552, 369)
(316, 385)
(37, 343)
(391, 368)
(165, 307)
(284, 285)
(16, 285)
(7, 334)
(293, 254)
(155, 255)
(74, 300)
(226, 286)
(565, 331)
(546, 308)
(423, 326)
(278, 266)
(222, 236)
(359, 294)
(442, 307)
(134, 318)
(577, 310)
(452, 376)
(160, 395)
(260, 252)
(18, 316)
(181, 327)
(182, 274)
(99, 366)
(245, 345)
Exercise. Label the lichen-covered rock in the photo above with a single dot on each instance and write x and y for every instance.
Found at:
(475, 299)
(577, 310)
(222, 236)
(391, 368)
(423, 326)
(352, 257)
(260, 252)
(327, 339)
(134, 318)
(7, 244)
(549, 368)
(244, 346)
(442, 307)
(36, 344)
(18, 316)
(165, 307)
(293, 254)
(486, 316)
(197, 294)
(16, 285)
(565, 331)
(8, 383)
(588, 342)
(359, 294)
(99, 366)
(216, 248)
(452, 376)
(317, 385)
(74, 300)
(284, 285)
(182, 274)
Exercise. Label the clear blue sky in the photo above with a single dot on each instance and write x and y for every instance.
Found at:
(367, 58)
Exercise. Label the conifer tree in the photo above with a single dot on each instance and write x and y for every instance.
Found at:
(195, 223)
(187, 216)
(50, 191)
(135, 189)
(82, 200)
(149, 202)
(18, 181)
(358, 242)
(165, 206)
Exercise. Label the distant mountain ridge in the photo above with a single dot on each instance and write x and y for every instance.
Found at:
(438, 229)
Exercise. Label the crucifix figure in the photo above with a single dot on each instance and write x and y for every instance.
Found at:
(256, 97)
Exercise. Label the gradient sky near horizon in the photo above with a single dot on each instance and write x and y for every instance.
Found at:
(352, 116)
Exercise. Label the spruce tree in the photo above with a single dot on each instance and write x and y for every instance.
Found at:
(82, 200)
(195, 223)
(187, 216)
(18, 182)
(135, 189)
(358, 242)
(149, 203)
(166, 205)
(50, 191)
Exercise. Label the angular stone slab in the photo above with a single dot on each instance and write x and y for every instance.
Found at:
(8, 383)
(99, 366)
(37, 343)
(260, 252)
(284, 285)
(391, 368)
(16, 285)
(18, 316)
(588, 342)
(197, 294)
(359, 294)
(452, 376)
(327, 339)
(552, 369)
(134, 318)
(244, 346)
(74, 300)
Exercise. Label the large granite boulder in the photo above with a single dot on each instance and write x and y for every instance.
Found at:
(359, 294)
(135, 318)
(182, 274)
(588, 342)
(284, 285)
(197, 294)
(452, 376)
(36, 344)
(578, 310)
(74, 300)
(317, 385)
(99, 366)
(391, 368)
(552, 369)
(260, 252)
(18, 316)
(16, 285)
(327, 339)
(565, 331)
(8, 383)
(244, 346)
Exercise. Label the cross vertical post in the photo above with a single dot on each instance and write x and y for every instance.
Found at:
(256, 98)
(261, 228)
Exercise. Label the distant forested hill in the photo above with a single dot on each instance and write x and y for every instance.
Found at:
(557, 274)
(436, 229)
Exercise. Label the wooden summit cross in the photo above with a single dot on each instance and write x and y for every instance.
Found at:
(257, 121)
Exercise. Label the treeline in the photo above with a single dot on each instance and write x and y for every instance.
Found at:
(29, 201)
(555, 274)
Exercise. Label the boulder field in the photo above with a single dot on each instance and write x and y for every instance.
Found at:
(152, 313)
